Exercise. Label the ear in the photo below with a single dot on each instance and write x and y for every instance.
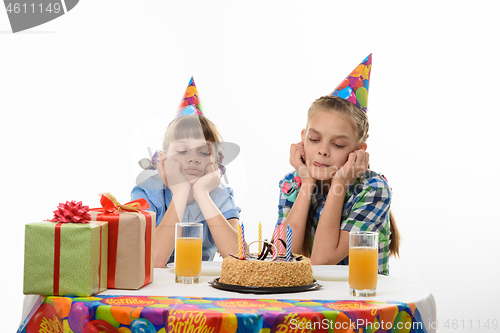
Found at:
(363, 146)
(303, 135)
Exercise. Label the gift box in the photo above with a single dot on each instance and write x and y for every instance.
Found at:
(65, 258)
(131, 232)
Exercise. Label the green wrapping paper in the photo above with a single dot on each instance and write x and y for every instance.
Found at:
(82, 269)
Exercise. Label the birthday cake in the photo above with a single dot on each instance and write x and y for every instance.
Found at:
(266, 271)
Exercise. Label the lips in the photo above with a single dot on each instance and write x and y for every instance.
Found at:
(192, 171)
(320, 165)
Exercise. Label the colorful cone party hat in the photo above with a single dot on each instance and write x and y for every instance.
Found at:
(354, 88)
(190, 104)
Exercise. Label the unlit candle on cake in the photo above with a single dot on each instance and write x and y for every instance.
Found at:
(241, 253)
(282, 236)
(288, 242)
(276, 234)
(243, 236)
(260, 237)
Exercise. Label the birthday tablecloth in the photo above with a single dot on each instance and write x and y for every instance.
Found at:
(162, 314)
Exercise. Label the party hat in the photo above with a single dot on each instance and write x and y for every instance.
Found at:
(354, 88)
(190, 104)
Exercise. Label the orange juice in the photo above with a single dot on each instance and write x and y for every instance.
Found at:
(363, 268)
(188, 256)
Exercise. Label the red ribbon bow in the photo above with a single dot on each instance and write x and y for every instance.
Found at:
(71, 211)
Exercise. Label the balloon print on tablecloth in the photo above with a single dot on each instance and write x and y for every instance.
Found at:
(270, 317)
(103, 312)
(249, 322)
(154, 315)
(99, 326)
(342, 321)
(330, 316)
(78, 317)
(208, 308)
(404, 320)
(197, 302)
(142, 326)
(62, 305)
(127, 330)
(125, 314)
(229, 323)
(308, 304)
(87, 299)
(298, 309)
(45, 316)
(166, 300)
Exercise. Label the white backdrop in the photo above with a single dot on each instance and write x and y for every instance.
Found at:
(83, 96)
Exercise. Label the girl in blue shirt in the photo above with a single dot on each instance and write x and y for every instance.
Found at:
(188, 188)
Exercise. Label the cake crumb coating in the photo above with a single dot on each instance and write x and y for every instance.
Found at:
(258, 273)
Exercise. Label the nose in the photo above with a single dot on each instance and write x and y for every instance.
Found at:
(323, 151)
(193, 157)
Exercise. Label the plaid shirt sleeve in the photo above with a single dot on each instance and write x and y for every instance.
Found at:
(367, 209)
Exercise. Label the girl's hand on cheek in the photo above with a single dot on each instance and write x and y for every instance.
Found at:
(356, 165)
(160, 166)
(174, 179)
(297, 157)
(209, 181)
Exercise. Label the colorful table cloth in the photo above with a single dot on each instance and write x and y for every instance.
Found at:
(157, 314)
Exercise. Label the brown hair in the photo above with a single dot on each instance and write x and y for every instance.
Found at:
(338, 104)
(193, 126)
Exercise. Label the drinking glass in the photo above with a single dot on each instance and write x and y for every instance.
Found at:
(188, 248)
(363, 263)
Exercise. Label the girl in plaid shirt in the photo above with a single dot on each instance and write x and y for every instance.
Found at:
(332, 190)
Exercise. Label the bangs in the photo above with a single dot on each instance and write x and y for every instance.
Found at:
(191, 127)
(187, 128)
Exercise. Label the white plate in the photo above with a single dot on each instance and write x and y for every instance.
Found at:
(207, 267)
(331, 272)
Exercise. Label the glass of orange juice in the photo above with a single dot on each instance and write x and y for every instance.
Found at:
(188, 248)
(363, 263)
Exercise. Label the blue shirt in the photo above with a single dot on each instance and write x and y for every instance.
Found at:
(159, 196)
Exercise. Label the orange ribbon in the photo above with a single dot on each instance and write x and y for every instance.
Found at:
(112, 206)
